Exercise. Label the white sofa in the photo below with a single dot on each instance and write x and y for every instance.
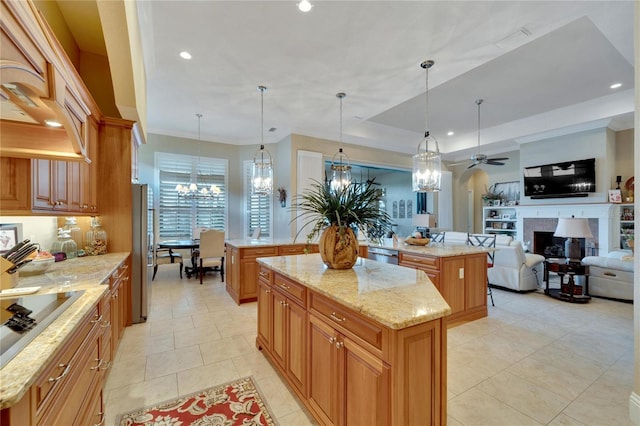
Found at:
(611, 275)
(513, 268)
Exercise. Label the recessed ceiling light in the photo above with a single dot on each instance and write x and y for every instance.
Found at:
(615, 85)
(304, 6)
(52, 123)
(185, 55)
(450, 133)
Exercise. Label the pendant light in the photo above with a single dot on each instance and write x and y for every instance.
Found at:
(192, 191)
(427, 164)
(262, 167)
(340, 167)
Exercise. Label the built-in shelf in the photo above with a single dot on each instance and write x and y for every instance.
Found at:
(500, 220)
(626, 224)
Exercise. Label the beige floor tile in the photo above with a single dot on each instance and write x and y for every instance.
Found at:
(281, 400)
(169, 325)
(564, 420)
(123, 373)
(229, 329)
(476, 408)
(199, 378)
(196, 336)
(227, 348)
(528, 398)
(296, 418)
(209, 318)
(139, 395)
(254, 364)
(170, 362)
(145, 345)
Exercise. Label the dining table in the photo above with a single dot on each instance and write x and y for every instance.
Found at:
(191, 244)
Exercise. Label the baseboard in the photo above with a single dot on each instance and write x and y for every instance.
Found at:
(634, 408)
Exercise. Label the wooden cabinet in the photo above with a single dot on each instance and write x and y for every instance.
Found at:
(120, 305)
(461, 280)
(357, 370)
(15, 185)
(347, 384)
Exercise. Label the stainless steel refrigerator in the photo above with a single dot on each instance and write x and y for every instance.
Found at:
(142, 252)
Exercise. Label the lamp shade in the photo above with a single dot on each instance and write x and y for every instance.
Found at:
(424, 220)
(573, 228)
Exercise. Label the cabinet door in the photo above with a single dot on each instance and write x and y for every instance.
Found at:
(279, 338)
(323, 371)
(297, 344)
(60, 193)
(475, 281)
(73, 180)
(265, 314)
(115, 318)
(452, 283)
(249, 272)
(14, 192)
(42, 189)
(366, 399)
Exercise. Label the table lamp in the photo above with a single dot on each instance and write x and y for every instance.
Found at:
(572, 228)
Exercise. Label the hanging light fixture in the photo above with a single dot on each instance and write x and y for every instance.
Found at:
(427, 164)
(262, 168)
(340, 167)
(192, 191)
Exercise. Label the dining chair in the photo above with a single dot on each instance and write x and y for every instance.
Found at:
(164, 257)
(485, 240)
(211, 253)
(437, 237)
(197, 231)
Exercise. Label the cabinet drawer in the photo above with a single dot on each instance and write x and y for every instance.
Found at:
(265, 274)
(259, 252)
(291, 289)
(292, 249)
(367, 331)
(422, 261)
(59, 370)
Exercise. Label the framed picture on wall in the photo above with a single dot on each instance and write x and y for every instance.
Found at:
(8, 236)
(409, 209)
(401, 210)
(615, 196)
(394, 213)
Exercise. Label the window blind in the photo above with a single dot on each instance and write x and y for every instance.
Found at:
(258, 207)
(178, 216)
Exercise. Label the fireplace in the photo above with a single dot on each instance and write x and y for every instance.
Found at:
(545, 244)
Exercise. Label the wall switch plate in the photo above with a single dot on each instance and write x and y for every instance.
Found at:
(461, 273)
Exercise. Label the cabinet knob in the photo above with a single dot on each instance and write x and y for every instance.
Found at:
(332, 340)
(339, 345)
(267, 291)
(97, 367)
(102, 418)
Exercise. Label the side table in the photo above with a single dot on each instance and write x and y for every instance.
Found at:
(571, 292)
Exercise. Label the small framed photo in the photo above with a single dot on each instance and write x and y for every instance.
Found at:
(615, 196)
(496, 203)
(506, 216)
(8, 236)
(511, 203)
(505, 225)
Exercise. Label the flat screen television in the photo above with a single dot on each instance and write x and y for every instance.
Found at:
(559, 180)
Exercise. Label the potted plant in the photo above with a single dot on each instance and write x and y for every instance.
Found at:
(335, 213)
(490, 195)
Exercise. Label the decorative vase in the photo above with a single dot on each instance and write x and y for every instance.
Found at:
(338, 247)
(630, 244)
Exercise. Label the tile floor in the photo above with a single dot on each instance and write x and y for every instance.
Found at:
(533, 361)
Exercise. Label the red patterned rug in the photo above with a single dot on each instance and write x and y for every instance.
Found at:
(235, 403)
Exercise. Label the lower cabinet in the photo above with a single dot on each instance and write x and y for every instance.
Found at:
(348, 369)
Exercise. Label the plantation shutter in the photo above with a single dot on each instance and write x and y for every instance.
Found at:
(178, 216)
(258, 208)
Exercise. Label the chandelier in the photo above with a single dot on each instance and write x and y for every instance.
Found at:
(427, 164)
(262, 167)
(192, 191)
(340, 167)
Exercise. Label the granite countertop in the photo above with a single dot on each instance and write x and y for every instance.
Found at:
(445, 250)
(21, 372)
(394, 296)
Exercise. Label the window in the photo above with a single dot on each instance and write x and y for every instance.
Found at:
(178, 216)
(257, 207)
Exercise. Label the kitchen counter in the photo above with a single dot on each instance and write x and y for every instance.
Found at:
(89, 272)
(264, 242)
(446, 250)
(394, 296)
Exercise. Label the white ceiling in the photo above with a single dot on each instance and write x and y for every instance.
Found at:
(556, 80)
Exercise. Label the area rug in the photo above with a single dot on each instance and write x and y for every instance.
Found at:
(234, 403)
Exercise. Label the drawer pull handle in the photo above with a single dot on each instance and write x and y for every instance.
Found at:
(286, 287)
(102, 417)
(105, 324)
(267, 291)
(264, 274)
(63, 375)
(97, 320)
(97, 367)
(335, 317)
(609, 274)
(332, 340)
(106, 367)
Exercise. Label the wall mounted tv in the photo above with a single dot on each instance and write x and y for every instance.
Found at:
(560, 180)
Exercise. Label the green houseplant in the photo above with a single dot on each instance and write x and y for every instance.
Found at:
(334, 213)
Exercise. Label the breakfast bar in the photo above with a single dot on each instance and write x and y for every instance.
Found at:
(366, 345)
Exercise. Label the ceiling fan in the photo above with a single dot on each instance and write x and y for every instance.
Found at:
(482, 158)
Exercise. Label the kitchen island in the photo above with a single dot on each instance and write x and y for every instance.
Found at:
(365, 345)
(57, 378)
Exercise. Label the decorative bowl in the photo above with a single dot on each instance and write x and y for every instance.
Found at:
(417, 241)
(36, 267)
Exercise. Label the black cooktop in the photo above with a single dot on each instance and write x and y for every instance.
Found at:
(24, 317)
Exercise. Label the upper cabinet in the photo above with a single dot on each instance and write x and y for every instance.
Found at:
(39, 85)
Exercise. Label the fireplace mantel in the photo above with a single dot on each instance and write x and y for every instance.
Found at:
(607, 215)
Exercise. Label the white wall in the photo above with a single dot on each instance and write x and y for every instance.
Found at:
(38, 229)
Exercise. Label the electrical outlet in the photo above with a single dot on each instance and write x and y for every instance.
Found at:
(461, 273)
